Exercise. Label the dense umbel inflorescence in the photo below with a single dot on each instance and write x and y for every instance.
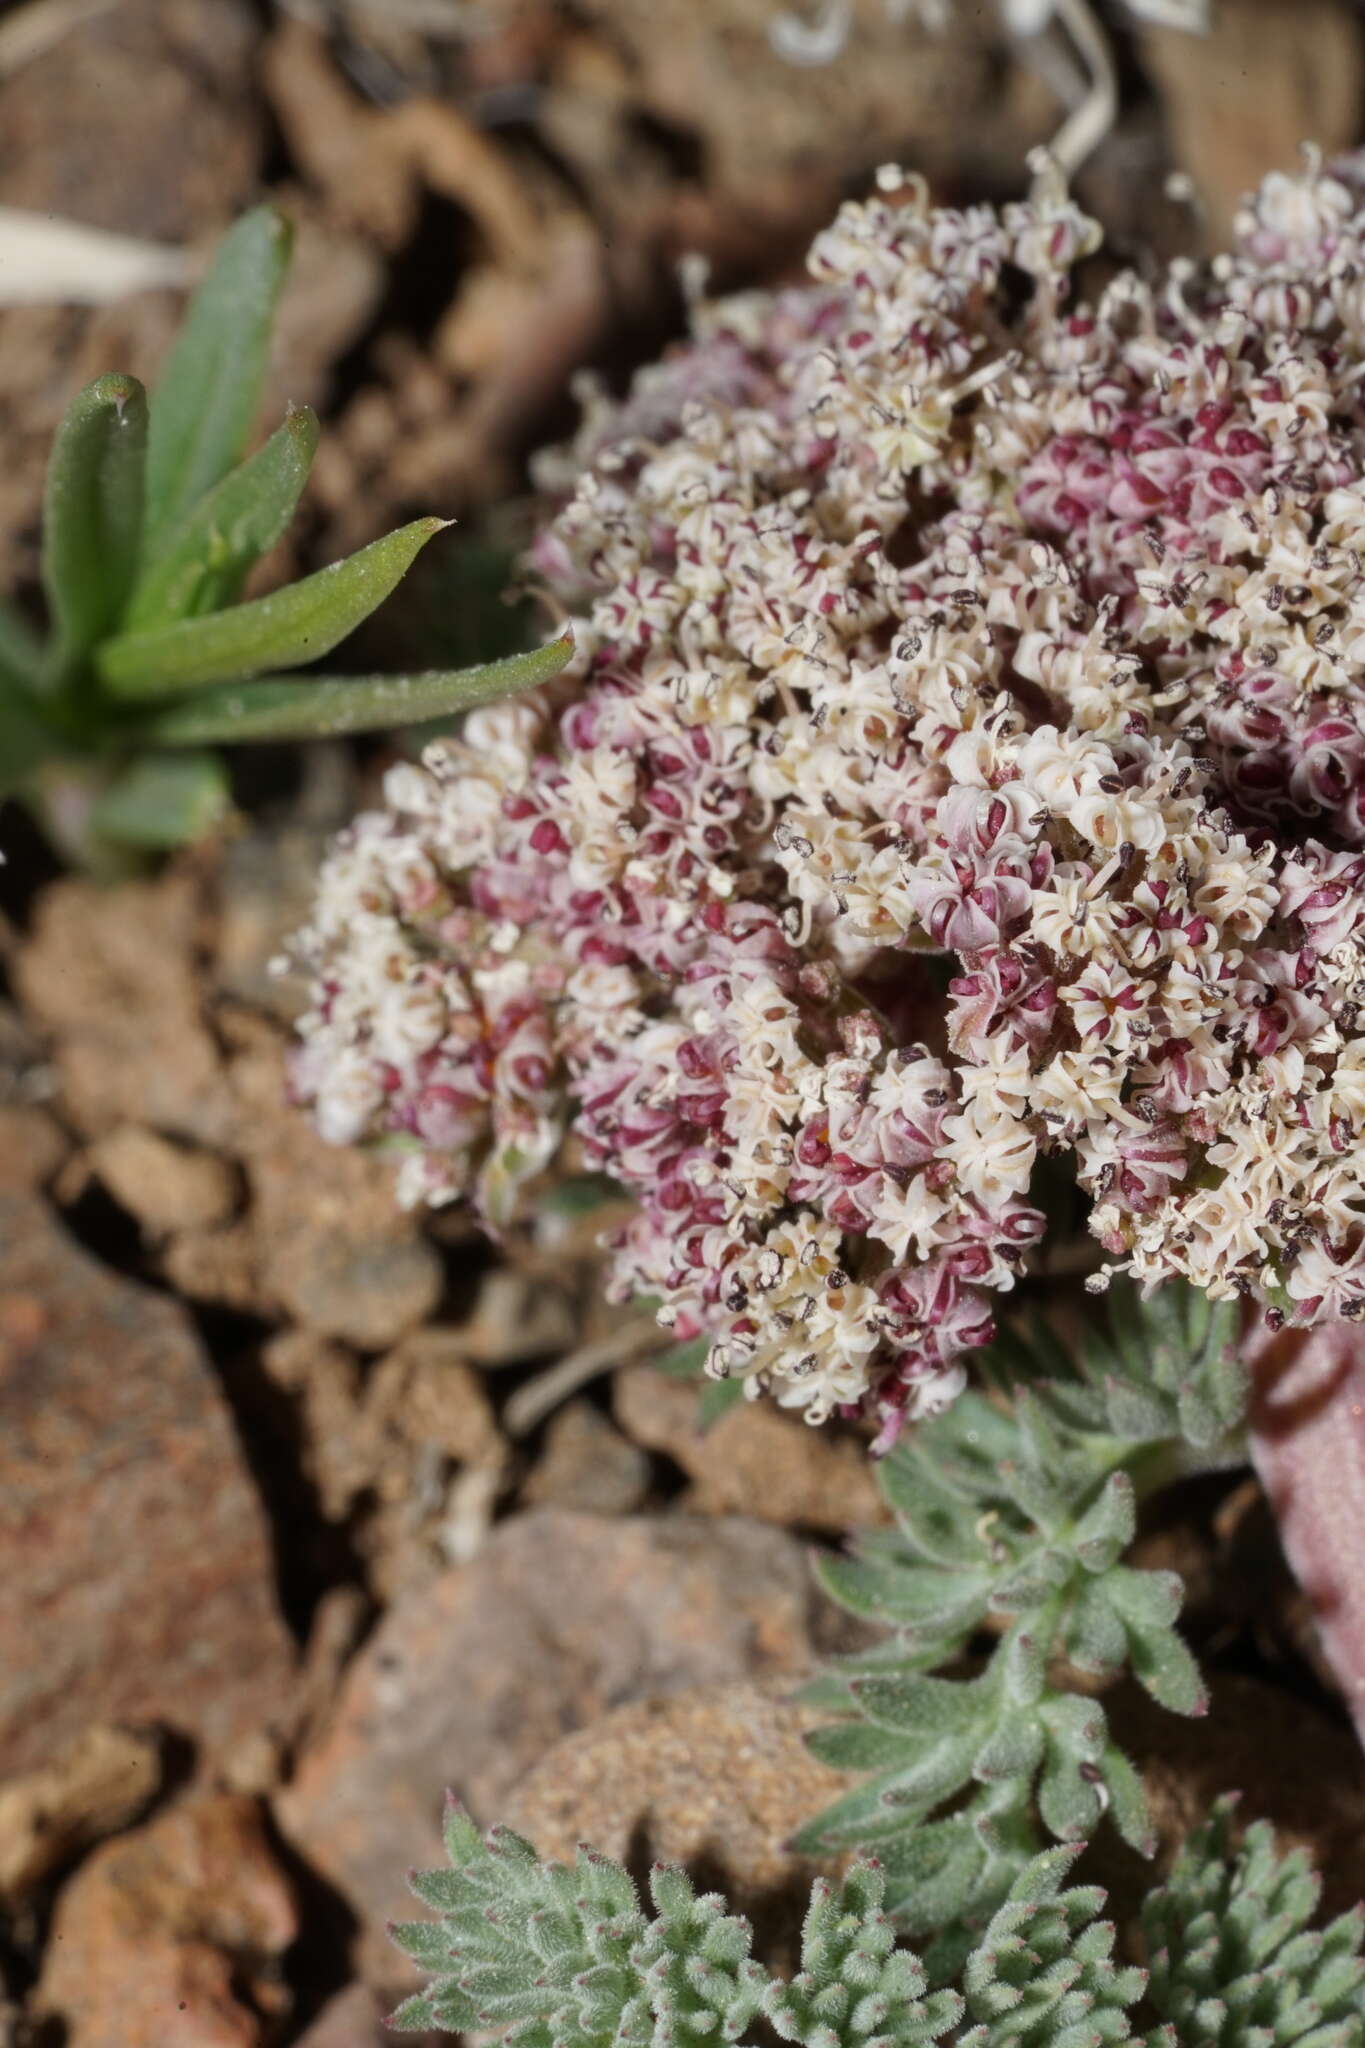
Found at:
(963, 761)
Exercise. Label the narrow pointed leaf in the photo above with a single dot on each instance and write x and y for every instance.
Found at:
(23, 741)
(92, 516)
(298, 624)
(684, 1361)
(286, 708)
(210, 555)
(717, 1398)
(21, 653)
(164, 800)
(210, 387)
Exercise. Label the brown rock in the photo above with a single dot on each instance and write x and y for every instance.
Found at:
(1293, 1766)
(166, 1187)
(109, 973)
(218, 1265)
(113, 977)
(424, 1391)
(138, 1583)
(139, 118)
(559, 1618)
(756, 1459)
(267, 878)
(32, 1147)
(97, 1784)
(385, 1440)
(340, 1457)
(94, 125)
(160, 1933)
(1241, 100)
(517, 1318)
(777, 137)
(353, 2019)
(586, 1464)
(333, 1248)
(718, 1780)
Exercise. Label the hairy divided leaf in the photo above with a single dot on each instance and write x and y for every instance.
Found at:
(1234, 1960)
(549, 1956)
(1015, 1507)
(553, 1957)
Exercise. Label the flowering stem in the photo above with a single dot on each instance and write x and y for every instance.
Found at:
(1088, 124)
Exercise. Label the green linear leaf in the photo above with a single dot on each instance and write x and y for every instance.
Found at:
(206, 398)
(685, 1361)
(92, 516)
(298, 624)
(717, 1398)
(161, 801)
(208, 559)
(21, 652)
(23, 740)
(286, 708)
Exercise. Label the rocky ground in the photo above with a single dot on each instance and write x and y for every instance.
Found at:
(308, 1510)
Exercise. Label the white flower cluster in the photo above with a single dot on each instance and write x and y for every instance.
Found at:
(963, 760)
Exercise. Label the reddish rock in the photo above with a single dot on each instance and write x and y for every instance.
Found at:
(114, 978)
(91, 1788)
(560, 1618)
(172, 1935)
(516, 1318)
(1308, 1447)
(138, 1584)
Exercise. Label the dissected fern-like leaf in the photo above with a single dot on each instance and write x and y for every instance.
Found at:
(551, 1957)
(1015, 1508)
(855, 1988)
(1234, 1961)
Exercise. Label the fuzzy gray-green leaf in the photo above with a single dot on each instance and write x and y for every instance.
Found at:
(1234, 1960)
(1020, 1506)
